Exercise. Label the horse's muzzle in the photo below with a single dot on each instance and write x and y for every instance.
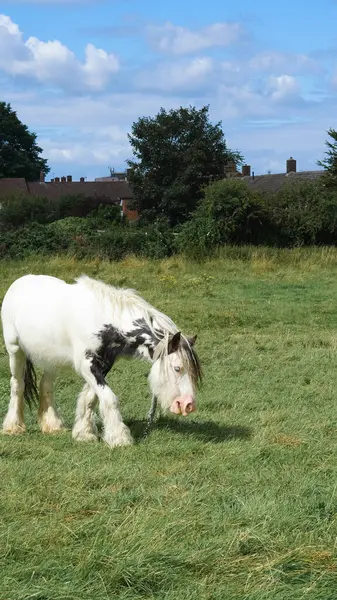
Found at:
(183, 405)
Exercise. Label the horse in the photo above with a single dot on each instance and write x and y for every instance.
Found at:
(88, 325)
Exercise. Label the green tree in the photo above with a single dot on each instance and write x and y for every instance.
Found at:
(19, 152)
(177, 153)
(330, 162)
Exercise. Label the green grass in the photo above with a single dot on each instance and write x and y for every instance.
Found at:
(237, 502)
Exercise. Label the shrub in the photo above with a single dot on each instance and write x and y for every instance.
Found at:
(304, 213)
(117, 242)
(79, 237)
(31, 239)
(82, 206)
(18, 210)
(159, 240)
(103, 215)
(113, 244)
(229, 213)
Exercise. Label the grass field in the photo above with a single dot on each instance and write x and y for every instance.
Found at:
(237, 502)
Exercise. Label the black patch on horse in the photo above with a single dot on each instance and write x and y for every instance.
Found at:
(111, 346)
(115, 343)
(143, 335)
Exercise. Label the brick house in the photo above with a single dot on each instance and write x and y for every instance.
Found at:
(110, 191)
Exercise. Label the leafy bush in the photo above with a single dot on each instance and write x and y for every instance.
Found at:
(83, 206)
(80, 237)
(31, 239)
(73, 233)
(159, 240)
(229, 213)
(106, 214)
(117, 242)
(18, 210)
(304, 213)
(113, 244)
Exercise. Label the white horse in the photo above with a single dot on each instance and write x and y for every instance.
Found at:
(88, 325)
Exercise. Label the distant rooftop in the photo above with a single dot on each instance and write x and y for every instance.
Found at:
(274, 181)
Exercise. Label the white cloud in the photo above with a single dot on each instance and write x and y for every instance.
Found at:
(269, 147)
(235, 102)
(333, 79)
(279, 62)
(284, 88)
(170, 77)
(52, 62)
(88, 132)
(180, 40)
(89, 151)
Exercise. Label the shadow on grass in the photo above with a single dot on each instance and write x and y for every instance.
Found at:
(206, 430)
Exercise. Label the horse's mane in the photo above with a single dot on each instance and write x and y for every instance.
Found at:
(130, 299)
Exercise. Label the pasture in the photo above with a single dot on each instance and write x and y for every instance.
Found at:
(235, 502)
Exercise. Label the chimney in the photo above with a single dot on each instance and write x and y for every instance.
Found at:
(69, 178)
(291, 165)
(82, 179)
(245, 170)
(52, 180)
(63, 180)
(42, 176)
(128, 173)
(230, 169)
(57, 180)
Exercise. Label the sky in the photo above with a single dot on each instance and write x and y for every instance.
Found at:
(80, 72)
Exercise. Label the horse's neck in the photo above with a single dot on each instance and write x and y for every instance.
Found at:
(145, 340)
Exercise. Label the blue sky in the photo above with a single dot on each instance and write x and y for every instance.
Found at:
(79, 72)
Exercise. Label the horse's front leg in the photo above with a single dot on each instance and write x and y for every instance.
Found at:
(85, 429)
(116, 433)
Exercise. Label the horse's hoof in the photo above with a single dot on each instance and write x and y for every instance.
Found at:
(85, 437)
(123, 438)
(15, 429)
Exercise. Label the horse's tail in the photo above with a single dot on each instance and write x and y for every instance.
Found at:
(31, 393)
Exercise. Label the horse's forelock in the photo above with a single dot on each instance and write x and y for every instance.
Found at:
(191, 362)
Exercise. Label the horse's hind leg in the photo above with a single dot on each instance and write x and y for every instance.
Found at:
(49, 420)
(85, 429)
(14, 419)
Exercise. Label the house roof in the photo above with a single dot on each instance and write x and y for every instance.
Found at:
(272, 183)
(111, 191)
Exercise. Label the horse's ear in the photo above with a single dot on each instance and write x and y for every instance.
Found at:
(174, 342)
(192, 340)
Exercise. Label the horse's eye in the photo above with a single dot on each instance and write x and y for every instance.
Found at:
(177, 369)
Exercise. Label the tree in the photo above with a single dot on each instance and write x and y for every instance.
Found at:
(19, 152)
(177, 153)
(330, 163)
